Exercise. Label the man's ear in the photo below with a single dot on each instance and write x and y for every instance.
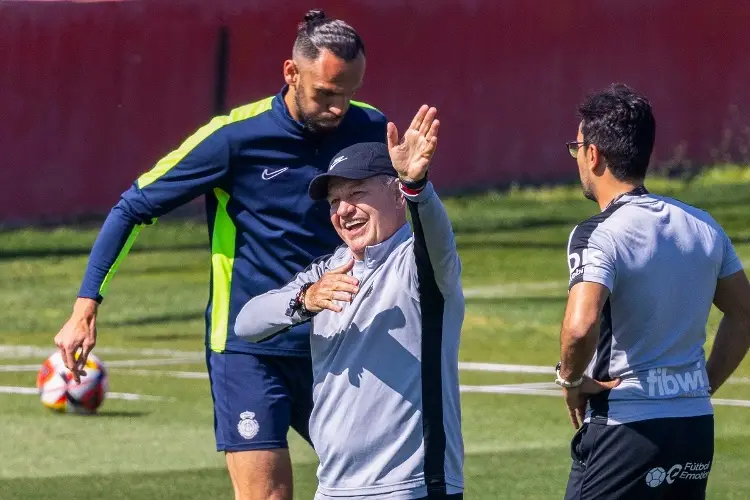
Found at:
(596, 161)
(400, 199)
(291, 72)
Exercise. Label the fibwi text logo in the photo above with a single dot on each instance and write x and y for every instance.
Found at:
(663, 383)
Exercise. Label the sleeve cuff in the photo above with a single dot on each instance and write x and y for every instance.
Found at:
(592, 278)
(418, 195)
(83, 295)
(731, 269)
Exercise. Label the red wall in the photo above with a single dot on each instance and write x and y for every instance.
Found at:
(92, 94)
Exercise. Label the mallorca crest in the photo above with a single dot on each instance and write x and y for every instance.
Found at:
(248, 427)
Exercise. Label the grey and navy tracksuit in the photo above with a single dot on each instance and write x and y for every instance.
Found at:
(386, 421)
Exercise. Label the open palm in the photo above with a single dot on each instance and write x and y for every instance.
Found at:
(412, 154)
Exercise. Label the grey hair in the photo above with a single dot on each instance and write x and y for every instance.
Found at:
(387, 179)
(391, 183)
(318, 32)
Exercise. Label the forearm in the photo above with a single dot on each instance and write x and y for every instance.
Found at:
(84, 313)
(577, 347)
(434, 239)
(269, 314)
(117, 235)
(85, 307)
(266, 315)
(730, 347)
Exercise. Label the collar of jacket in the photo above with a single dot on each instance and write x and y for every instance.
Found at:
(286, 120)
(375, 255)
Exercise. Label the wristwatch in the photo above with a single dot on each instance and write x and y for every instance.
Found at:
(564, 383)
(297, 304)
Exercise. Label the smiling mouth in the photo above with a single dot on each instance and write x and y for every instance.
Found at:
(354, 225)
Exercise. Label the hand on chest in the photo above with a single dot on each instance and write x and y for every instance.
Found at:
(380, 303)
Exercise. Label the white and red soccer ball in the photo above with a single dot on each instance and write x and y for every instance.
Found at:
(59, 392)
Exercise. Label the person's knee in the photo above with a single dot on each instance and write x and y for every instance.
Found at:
(261, 474)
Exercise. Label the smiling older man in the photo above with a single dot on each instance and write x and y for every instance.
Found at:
(386, 309)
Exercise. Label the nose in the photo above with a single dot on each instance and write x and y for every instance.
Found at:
(345, 209)
(338, 108)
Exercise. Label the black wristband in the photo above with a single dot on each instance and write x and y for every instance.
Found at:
(416, 185)
(297, 304)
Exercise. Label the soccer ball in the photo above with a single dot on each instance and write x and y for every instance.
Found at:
(655, 477)
(61, 393)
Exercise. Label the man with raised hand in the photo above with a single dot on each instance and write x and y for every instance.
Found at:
(386, 311)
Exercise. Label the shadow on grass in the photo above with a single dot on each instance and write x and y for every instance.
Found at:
(119, 414)
(169, 336)
(103, 414)
(201, 264)
(505, 301)
(499, 224)
(157, 320)
(491, 243)
(85, 251)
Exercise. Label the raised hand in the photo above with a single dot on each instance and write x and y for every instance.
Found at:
(411, 155)
(336, 284)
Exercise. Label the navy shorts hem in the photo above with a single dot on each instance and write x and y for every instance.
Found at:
(262, 445)
(258, 350)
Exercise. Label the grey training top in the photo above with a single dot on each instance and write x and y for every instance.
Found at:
(386, 421)
(660, 260)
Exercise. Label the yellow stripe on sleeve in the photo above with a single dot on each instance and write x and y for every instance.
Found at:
(222, 263)
(120, 257)
(365, 105)
(168, 162)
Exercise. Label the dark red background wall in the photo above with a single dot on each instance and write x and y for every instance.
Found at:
(92, 94)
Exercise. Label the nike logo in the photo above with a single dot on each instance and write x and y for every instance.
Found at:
(336, 162)
(267, 176)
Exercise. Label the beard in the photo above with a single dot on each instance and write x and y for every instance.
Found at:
(588, 193)
(312, 124)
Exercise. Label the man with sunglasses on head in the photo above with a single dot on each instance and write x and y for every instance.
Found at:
(644, 273)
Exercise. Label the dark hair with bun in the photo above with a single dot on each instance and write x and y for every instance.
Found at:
(319, 32)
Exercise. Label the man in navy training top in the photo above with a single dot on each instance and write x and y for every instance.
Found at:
(253, 167)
